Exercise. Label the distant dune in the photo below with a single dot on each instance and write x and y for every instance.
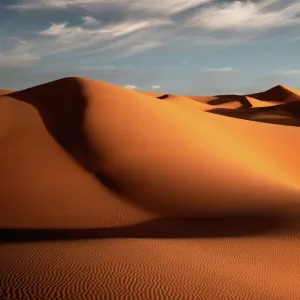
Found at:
(109, 192)
(5, 92)
(278, 93)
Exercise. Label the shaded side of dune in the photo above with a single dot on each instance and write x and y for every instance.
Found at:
(222, 99)
(282, 114)
(278, 93)
(62, 104)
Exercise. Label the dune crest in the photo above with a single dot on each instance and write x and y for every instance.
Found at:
(278, 94)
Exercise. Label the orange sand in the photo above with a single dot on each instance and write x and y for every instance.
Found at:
(189, 195)
(5, 92)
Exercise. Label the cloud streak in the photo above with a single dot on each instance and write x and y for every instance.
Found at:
(219, 70)
(168, 6)
(155, 87)
(65, 38)
(247, 15)
(131, 87)
(19, 56)
(291, 72)
(87, 20)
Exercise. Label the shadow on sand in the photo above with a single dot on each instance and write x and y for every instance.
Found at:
(223, 99)
(164, 228)
(282, 114)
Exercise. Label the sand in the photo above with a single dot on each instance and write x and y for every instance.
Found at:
(109, 193)
(5, 92)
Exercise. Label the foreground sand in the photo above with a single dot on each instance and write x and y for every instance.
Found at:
(191, 196)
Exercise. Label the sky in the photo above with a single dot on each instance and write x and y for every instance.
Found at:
(200, 47)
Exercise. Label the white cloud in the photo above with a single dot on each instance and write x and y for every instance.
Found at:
(65, 38)
(184, 61)
(87, 20)
(131, 87)
(166, 6)
(142, 47)
(148, 25)
(240, 15)
(155, 87)
(133, 26)
(291, 72)
(54, 29)
(227, 69)
(20, 55)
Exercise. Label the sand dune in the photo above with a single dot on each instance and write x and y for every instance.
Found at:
(5, 92)
(279, 94)
(189, 195)
(283, 114)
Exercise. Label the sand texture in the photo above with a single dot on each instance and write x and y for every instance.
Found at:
(110, 193)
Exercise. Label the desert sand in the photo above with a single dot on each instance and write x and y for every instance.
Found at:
(5, 92)
(110, 193)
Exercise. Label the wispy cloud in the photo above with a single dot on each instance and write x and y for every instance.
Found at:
(184, 61)
(19, 56)
(65, 37)
(142, 47)
(248, 15)
(55, 29)
(155, 87)
(291, 72)
(227, 69)
(144, 25)
(90, 21)
(167, 6)
(131, 87)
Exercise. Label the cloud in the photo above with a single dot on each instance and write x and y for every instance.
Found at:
(142, 47)
(184, 61)
(66, 38)
(155, 87)
(131, 87)
(54, 29)
(166, 6)
(138, 26)
(20, 55)
(133, 26)
(248, 15)
(90, 21)
(227, 69)
(291, 72)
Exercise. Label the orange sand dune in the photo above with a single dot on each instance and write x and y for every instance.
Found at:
(160, 197)
(259, 103)
(292, 90)
(232, 101)
(152, 94)
(284, 114)
(278, 94)
(183, 100)
(4, 92)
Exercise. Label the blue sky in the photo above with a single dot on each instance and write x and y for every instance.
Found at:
(171, 46)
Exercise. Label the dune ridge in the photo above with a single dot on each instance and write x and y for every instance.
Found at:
(121, 186)
(278, 93)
